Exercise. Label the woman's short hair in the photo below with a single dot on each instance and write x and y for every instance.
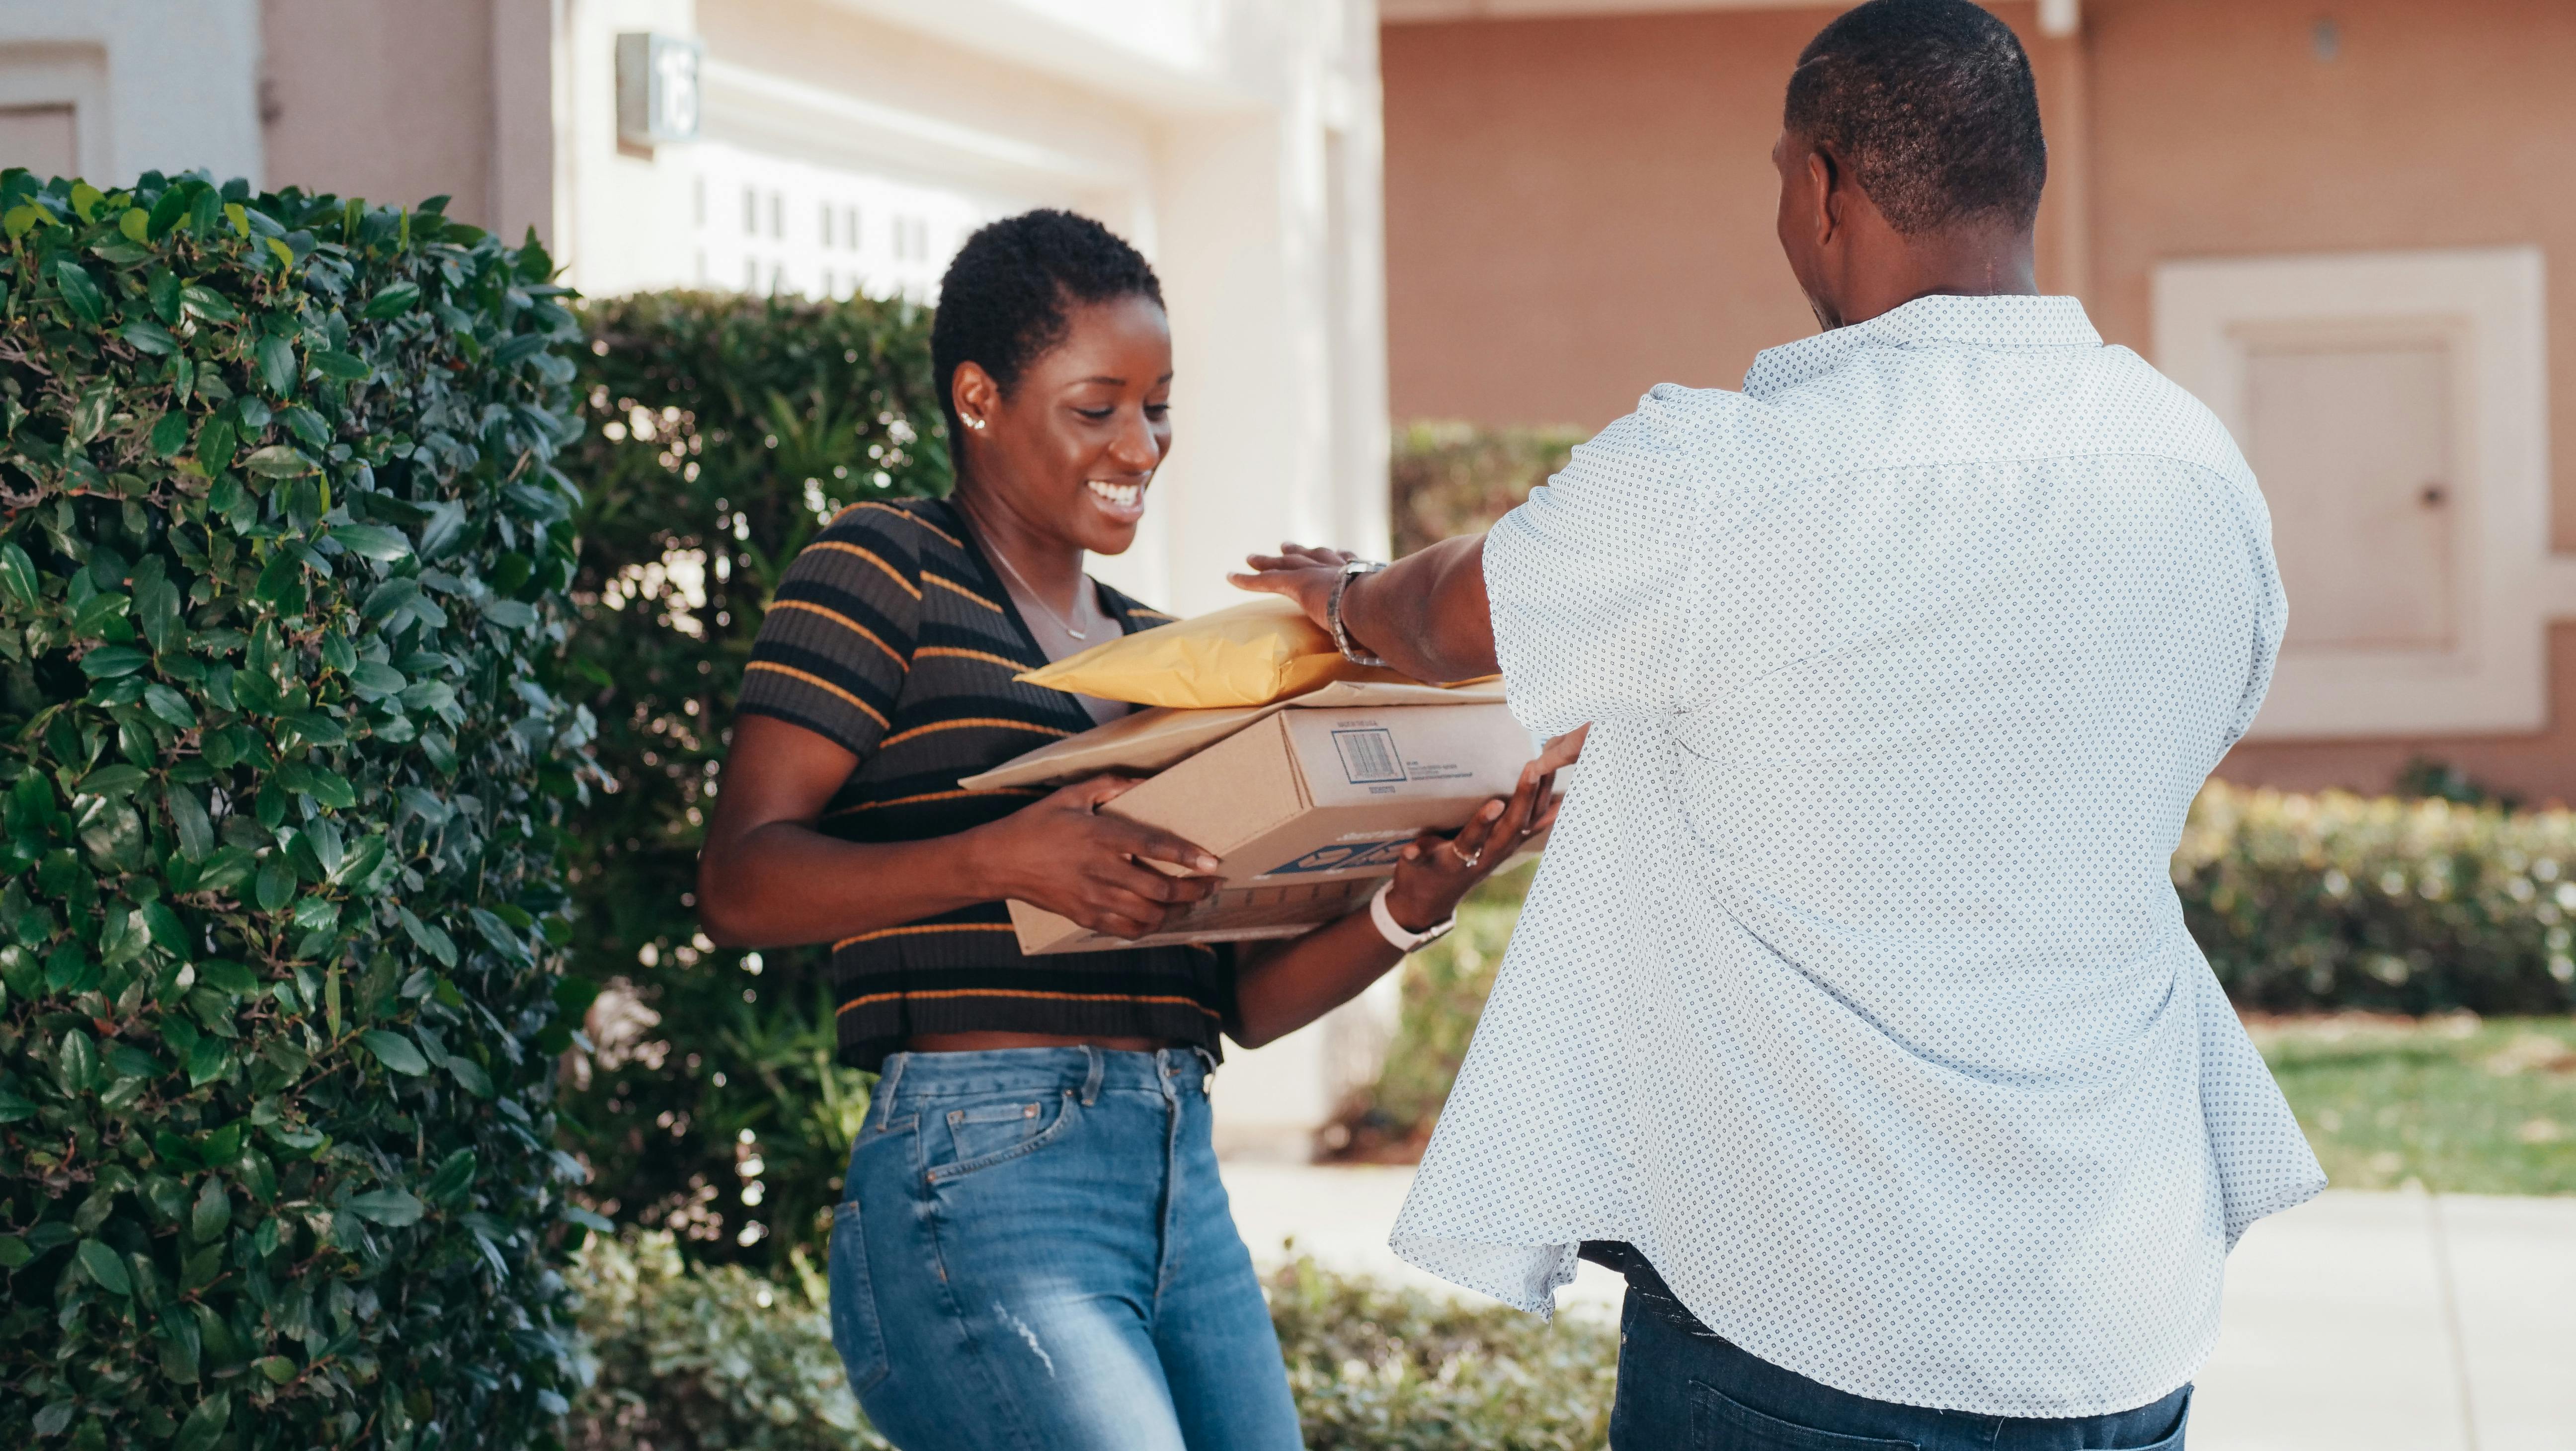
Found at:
(1931, 104)
(1005, 298)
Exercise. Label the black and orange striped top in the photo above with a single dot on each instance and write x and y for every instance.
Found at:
(892, 638)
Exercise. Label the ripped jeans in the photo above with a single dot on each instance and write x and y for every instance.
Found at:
(1033, 1251)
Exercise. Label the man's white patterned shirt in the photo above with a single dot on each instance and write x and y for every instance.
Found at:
(1853, 990)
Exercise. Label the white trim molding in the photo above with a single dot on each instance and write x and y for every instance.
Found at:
(2486, 306)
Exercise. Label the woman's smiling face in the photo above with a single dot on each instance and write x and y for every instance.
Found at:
(1070, 450)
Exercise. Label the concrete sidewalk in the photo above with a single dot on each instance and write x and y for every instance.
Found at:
(2362, 1322)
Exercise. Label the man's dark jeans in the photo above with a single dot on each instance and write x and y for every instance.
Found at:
(1681, 1388)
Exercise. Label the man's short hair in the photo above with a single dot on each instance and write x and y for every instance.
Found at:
(1931, 104)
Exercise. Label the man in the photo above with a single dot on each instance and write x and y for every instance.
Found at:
(1853, 1010)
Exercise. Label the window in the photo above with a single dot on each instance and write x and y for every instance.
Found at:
(750, 212)
(778, 214)
(2393, 407)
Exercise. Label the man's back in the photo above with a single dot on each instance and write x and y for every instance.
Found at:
(1854, 992)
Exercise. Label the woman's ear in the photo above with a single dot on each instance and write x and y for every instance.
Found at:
(975, 395)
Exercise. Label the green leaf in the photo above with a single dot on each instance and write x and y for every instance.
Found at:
(432, 939)
(469, 1075)
(188, 822)
(384, 600)
(341, 366)
(393, 300)
(170, 435)
(207, 1061)
(168, 933)
(278, 461)
(146, 336)
(75, 1062)
(276, 883)
(277, 370)
(228, 976)
(510, 614)
(103, 1266)
(319, 782)
(389, 1207)
(277, 1368)
(80, 293)
(14, 1106)
(316, 729)
(395, 1052)
(170, 706)
(212, 1213)
(205, 1424)
(372, 541)
(206, 303)
(113, 781)
(135, 224)
(215, 445)
(18, 574)
(107, 662)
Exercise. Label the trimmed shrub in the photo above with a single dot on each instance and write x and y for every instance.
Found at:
(694, 1358)
(2339, 901)
(281, 547)
(724, 431)
(1380, 1369)
(1458, 478)
(707, 1358)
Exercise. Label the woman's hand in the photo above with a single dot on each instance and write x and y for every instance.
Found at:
(1064, 854)
(1437, 872)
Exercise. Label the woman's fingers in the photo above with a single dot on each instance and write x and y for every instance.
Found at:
(1133, 839)
(1478, 834)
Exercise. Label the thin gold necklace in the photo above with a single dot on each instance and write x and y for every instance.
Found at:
(1039, 600)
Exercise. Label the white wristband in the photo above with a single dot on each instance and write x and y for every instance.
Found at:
(1393, 931)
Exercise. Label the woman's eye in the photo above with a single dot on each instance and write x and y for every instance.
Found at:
(1096, 415)
(1158, 410)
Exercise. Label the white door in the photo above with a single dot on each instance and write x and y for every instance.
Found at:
(2352, 445)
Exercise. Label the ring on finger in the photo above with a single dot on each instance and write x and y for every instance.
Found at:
(1468, 859)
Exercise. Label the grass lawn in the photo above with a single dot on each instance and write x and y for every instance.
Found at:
(2467, 1106)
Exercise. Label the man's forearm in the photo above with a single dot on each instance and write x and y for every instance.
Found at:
(1426, 614)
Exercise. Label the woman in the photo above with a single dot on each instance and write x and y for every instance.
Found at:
(1034, 1249)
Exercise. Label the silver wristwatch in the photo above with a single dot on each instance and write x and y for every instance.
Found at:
(1342, 640)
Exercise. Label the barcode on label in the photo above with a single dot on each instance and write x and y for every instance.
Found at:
(1368, 756)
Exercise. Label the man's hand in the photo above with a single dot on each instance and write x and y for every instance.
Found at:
(1426, 614)
(1304, 573)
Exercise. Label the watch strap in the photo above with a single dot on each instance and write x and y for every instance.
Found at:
(1342, 641)
(1394, 932)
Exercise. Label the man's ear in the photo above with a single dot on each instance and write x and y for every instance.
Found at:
(1826, 178)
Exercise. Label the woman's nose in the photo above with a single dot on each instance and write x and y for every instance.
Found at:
(1135, 448)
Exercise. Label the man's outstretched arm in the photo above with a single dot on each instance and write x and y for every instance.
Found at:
(1426, 614)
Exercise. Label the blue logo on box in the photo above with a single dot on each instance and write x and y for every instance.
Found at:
(1344, 857)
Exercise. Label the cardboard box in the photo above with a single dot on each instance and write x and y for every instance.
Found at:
(1306, 805)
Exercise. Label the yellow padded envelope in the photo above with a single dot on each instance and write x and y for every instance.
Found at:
(1254, 653)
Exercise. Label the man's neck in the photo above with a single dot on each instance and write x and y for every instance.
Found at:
(1951, 262)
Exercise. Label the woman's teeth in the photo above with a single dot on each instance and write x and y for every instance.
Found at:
(1122, 495)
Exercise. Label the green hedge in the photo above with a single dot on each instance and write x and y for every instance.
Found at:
(724, 430)
(1457, 478)
(688, 1357)
(710, 1358)
(2408, 906)
(280, 552)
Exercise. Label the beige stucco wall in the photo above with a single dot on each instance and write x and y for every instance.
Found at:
(1580, 208)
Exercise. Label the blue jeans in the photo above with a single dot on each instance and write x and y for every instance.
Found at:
(1681, 1388)
(1033, 1251)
